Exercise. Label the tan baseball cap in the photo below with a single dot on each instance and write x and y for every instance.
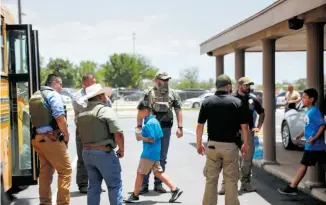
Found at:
(162, 76)
(245, 81)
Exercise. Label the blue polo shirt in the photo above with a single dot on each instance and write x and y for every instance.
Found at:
(152, 129)
(313, 120)
(54, 102)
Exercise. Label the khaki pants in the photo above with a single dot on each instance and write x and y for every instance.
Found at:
(226, 156)
(53, 155)
(246, 163)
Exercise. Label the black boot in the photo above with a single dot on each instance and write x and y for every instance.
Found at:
(159, 188)
(143, 190)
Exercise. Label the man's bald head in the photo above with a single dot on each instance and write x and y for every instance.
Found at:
(290, 87)
(88, 80)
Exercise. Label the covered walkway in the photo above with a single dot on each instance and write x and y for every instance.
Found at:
(285, 26)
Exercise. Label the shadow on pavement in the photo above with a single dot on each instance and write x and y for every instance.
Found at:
(148, 202)
(22, 201)
(267, 185)
(76, 194)
(151, 193)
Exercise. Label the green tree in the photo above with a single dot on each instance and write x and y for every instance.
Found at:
(189, 77)
(207, 84)
(300, 84)
(83, 68)
(124, 70)
(44, 72)
(100, 76)
(64, 68)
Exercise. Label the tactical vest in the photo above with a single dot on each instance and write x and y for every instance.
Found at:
(41, 115)
(162, 105)
(92, 129)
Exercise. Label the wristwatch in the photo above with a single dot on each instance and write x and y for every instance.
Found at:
(180, 127)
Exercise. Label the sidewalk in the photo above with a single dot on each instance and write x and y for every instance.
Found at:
(287, 169)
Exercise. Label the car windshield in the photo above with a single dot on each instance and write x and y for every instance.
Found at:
(202, 95)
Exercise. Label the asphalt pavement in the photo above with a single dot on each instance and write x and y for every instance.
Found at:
(184, 167)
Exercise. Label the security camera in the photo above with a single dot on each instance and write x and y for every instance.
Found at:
(295, 23)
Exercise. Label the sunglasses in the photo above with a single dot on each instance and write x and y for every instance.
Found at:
(166, 80)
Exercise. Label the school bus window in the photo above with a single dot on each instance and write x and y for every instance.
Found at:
(17, 44)
(21, 155)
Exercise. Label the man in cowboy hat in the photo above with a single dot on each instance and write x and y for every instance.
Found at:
(81, 176)
(100, 134)
(162, 100)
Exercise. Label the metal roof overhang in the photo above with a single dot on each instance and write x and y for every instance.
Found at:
(271, 22)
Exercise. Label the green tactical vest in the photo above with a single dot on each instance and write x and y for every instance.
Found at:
(40, 114)
(92, 129)
(162, 105)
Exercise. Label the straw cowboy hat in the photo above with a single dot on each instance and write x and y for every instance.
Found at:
(97, 89)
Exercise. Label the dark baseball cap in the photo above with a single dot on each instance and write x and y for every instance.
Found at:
(245, 81)
(222, 80)
(143, 105)
(162, 76)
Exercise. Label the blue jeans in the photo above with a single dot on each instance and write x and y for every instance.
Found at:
(103, 165)
(164, 152)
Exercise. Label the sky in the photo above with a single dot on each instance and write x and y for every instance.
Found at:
(168, 33)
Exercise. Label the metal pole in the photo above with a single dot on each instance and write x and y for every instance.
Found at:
(21, 39)
(116, 105)
(133, 39)
(19, 12)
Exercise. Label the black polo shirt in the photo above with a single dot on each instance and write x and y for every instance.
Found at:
(251, 103)
(223, 113)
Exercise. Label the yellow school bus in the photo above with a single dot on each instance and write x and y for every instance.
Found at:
(20, 77)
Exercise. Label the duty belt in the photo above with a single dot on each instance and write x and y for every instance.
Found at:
(105, 148)
(48, 136)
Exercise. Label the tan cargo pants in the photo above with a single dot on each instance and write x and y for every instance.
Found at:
(53, 155)
(221, 156)
(246, 164)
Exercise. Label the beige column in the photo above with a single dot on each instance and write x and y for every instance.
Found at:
(269, 101)
(315, 79)
(219, 65)
(239, 63)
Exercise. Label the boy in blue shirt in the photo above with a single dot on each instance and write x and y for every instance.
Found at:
(151, 135)
(315, 145)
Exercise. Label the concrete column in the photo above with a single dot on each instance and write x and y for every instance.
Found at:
(219, 65)
(315, 79)
(269, 101)
(239, 63)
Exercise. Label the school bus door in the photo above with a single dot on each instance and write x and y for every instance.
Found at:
(24, 80)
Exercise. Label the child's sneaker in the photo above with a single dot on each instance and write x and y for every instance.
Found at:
(288, 190)
(132, 198)
(175, 195)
